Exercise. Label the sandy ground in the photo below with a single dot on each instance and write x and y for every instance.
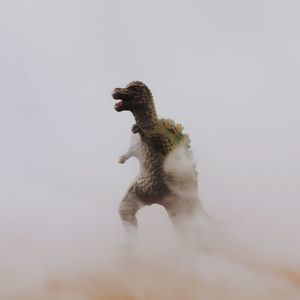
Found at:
(154, 265)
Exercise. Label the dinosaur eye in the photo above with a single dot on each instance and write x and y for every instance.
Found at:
(133, 88)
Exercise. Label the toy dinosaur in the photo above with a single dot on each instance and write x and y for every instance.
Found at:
(167, 171)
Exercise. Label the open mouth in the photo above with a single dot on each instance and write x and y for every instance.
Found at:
(122, 97)
(118, 105)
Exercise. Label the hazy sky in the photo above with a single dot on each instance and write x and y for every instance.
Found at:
(227, 70)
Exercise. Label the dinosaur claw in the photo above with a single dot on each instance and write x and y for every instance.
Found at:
(121, 160)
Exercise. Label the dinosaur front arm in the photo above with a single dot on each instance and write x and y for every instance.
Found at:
(137, 129)
(134, 149)
(123, 158)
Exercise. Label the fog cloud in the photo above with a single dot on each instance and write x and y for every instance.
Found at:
(227, 71)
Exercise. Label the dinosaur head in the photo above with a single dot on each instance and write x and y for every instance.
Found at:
(134, 97)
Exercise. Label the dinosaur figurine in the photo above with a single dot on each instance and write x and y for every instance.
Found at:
(167, 171)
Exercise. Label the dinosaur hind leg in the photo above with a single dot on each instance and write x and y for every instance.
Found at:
(183, 212)
(128, 209)
(192, 224)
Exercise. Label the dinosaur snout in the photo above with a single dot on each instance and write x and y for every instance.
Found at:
(116, 92)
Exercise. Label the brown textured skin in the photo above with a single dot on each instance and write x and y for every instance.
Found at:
(158, 138)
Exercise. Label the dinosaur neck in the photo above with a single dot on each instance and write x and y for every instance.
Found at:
(145, 118)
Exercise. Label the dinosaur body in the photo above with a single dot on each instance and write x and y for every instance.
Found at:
(167, 173)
